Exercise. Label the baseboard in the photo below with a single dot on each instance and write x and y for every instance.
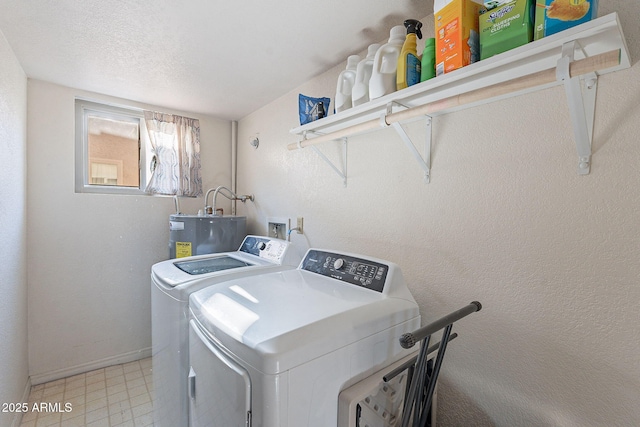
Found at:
(17, 417)
(90, 366)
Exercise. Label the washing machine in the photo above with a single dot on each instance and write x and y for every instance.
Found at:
(275, 350)
(172, 282)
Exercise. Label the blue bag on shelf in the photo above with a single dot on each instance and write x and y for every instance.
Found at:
(312, 108)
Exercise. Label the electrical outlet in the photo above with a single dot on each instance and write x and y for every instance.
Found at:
(299, 225)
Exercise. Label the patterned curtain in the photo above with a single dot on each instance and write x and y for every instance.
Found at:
(176, 148)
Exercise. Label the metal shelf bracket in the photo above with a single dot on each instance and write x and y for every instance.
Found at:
(342, 172)
(582, 103)
(424, 163)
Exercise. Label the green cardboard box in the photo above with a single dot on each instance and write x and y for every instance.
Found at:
(505, 27)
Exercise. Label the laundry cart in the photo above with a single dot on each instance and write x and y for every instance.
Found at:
(403, 394)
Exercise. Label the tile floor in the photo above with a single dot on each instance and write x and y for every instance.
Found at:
(117, 396)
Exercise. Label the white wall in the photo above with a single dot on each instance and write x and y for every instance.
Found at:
(13, 230)
(554, 257)
(90, 254)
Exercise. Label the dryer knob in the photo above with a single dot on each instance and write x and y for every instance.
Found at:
(337, 264)
(262, 245)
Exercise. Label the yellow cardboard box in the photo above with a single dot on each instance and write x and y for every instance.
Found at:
(457, 39)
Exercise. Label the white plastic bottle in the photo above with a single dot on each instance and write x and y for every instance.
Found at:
(345, 84)
(385, 64)
(360, 93)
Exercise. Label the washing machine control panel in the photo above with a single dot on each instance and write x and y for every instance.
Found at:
(264, 247)
(357, 271)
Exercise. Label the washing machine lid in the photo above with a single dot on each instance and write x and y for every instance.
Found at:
(210, 264)
(254, 251)
(279, 320)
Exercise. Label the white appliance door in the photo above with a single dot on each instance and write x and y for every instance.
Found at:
(219, 388)
(169, 333)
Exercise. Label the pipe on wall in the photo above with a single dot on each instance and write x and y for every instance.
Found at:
(234, 162)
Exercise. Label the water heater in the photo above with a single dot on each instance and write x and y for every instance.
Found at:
(199, 235)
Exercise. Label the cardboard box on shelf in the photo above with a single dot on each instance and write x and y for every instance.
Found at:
(506, 27)
(553, 16)
(456, 28)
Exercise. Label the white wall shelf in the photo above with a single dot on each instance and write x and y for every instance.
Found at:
(573, 58)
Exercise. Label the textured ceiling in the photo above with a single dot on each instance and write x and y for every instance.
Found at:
(223, 58)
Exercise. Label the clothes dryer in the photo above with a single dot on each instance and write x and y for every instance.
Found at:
(172, 282)
(275, 350)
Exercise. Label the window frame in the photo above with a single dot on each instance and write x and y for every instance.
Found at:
(83, 108)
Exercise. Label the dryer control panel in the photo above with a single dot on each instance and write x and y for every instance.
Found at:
(347, 268)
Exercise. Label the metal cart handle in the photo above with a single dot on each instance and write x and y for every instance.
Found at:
(410, 339)
(420, 389)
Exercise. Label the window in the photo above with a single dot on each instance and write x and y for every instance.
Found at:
(111, 145)
(115, 144)
(106, 171)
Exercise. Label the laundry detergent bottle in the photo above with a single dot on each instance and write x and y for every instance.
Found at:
(409, 64)
(360, 93)
(345, 84)
(385, 64)
(428, 70)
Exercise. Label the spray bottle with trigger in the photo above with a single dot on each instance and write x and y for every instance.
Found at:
(409, 66)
